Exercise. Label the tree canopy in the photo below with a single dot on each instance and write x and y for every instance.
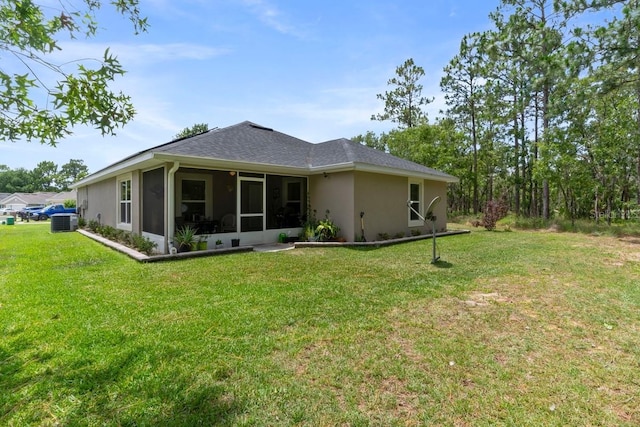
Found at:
(41, 99)
(46, 176)
(403, 104)
(543, 111)
(192, 130)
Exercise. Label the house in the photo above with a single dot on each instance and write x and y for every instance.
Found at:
(61, 197)
(17, 201)
(253, 183)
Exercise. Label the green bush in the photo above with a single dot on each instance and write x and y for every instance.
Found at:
(132, 240)
(494, 211)
(92, 225)
(327, 229)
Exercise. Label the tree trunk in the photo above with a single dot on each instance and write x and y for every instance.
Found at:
(545, 199)
(475, 160)
(638, 144)
(516, 151)
(596, 212)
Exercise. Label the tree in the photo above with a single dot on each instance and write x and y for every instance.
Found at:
(34, 108)
(193, 130)
(44, 176)
(618, 44)
(15, 181)
(403, 104)
(71, 172)
(462, 84)
(371, 140)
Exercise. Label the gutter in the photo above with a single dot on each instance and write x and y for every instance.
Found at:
(171, 200)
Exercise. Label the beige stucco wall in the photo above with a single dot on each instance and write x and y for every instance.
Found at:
(334, 192)
(431, 190)
(382, 198)
(101, 199)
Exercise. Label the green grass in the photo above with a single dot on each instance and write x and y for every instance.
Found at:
(512, 328)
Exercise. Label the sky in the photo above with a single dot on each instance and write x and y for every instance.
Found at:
(308, 69)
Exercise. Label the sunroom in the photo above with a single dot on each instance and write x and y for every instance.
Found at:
(227, 205)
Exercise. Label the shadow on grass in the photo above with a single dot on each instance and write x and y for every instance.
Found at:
(133, 387)
(442, 264)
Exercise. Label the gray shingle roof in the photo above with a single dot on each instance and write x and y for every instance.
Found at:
(344, 150)
(244, 142)
(252, 143)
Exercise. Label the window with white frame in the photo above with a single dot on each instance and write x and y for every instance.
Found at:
(194, 202)
(124, 202)
(415, 198)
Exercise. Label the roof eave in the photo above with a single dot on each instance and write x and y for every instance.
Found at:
(136, 162)
(150, 159)
(366, 167)
(224, 164)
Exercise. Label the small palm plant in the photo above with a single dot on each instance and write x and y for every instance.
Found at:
(185, 238)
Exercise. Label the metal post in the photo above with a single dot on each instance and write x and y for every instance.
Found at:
(428, 217)
(433, 237)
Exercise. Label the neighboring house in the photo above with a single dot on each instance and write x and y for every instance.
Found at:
(63, 196)
(252, 183)
(17, 201)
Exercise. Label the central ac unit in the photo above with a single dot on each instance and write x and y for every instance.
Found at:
(64, 222)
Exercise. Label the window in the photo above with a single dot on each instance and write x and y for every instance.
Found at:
(124, 203)
(194, 196)
(415, 197)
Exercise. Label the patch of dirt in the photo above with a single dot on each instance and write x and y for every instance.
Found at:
(478, 299)
(616, 251)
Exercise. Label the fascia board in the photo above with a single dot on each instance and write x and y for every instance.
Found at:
(209, 162)
(137, 162)
(364, 167)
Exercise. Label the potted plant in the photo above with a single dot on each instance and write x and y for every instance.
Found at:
(202, 242)
(327, 229)
(184, 238)
(219, 244)
(310, 233)
(309, 227)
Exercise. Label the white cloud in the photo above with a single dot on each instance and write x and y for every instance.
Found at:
(272, 17)
(136, 54)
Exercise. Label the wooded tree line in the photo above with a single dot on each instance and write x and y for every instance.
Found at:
(46, 176)
(543, 111)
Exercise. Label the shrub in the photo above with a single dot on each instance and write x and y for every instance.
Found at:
(309, 226)
(142, 244)
(92, 225)
(327, 229)
(132, 240)
(494, 211)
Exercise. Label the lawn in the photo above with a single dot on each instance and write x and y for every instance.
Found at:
(511, 328)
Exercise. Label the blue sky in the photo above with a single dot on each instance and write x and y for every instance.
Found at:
(308, 69)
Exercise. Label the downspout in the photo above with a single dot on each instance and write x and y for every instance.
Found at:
(171, 200)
